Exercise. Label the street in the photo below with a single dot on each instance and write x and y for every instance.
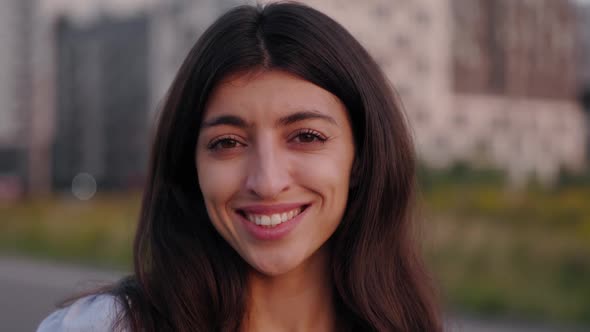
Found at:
(30, 290)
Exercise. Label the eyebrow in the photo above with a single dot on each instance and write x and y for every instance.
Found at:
(228, 120)
(236, 121)
(302, 116)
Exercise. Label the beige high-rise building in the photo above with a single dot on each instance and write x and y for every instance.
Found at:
(490, 83)
(176, 25)
(412, 43)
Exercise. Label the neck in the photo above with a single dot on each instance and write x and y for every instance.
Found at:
(300, 300)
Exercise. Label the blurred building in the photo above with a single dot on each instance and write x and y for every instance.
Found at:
(411, 40)
(582, 13)
(514, 80)
(16, 77)
(175, 27)
(583, 60)
(102, 101)
(488, 82)
(113, 73)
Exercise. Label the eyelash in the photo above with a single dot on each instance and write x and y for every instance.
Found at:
(215, 144)
(316, 136)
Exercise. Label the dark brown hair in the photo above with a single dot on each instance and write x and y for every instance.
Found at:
(187, 278)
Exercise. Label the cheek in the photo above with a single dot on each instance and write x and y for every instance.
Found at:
(326, 173)
(218, 180)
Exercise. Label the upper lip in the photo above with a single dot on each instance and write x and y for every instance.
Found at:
(271, 209)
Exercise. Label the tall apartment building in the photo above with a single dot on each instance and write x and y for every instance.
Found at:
(112, 71)
(582, 12)
(489, 82)
(514, 62)
(174, 28)
(16, 35)
(102, 102)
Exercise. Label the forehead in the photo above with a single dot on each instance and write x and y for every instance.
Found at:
(268, 93)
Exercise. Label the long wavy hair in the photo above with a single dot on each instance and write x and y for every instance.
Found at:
(188, 278)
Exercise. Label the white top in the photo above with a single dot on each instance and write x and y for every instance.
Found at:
(94, 313)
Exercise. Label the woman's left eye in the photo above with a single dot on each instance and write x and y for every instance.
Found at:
(308, 136)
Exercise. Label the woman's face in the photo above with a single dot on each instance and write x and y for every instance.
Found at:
(274, 157)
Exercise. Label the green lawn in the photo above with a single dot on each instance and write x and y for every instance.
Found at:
(498, 250)
(98, 232)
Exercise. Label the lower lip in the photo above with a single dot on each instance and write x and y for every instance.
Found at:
(272, 233)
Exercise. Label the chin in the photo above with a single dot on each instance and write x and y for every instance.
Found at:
(275, 266)
(273, 272)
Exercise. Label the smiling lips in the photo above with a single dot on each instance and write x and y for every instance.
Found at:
(271, 217)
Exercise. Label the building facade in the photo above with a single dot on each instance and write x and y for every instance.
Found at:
(102, 102)
(16, 35)
(583, 61)
(514, 74)
(174, 28)
(491, 83)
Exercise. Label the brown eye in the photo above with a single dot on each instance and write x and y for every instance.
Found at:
(309, 136)
(227, 144)
(224, 143)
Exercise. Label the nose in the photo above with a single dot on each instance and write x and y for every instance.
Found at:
(268, 173)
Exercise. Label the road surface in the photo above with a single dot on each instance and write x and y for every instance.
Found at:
(29, 290)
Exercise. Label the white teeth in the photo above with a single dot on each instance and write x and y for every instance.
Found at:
(273, 219)
(265, 220)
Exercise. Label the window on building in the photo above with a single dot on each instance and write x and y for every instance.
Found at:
(422, 17)
(500, 123)
(381, 11)
(460, 120)
(422, 66)
(441, 142)
(421, 115)
(401, 41)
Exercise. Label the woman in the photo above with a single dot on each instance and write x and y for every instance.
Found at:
(280, 192)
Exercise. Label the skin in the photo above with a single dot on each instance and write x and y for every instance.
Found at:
(268, 138)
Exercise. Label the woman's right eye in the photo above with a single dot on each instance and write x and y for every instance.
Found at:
(224, 143)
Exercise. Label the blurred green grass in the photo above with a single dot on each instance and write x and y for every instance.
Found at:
(493, 250)
(97, 232)
(509, 252)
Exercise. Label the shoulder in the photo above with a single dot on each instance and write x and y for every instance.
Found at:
(94, 313)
